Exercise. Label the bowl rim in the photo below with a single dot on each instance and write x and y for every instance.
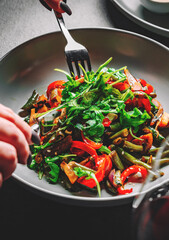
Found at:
(83, 28)
(164, 2)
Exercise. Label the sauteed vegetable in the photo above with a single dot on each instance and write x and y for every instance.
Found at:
(105, 130)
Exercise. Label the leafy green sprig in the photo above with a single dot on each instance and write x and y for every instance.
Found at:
(90, 101)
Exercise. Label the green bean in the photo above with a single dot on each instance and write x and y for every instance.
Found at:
(115, 126)
(121, 133)
(112, 147)
(165, 154)
(164, 161)
(131, 158)
(118, 141)
(146, 158)
(116, 160)
(112, 116)
(153, 151)
(28, 105)
(157, 137)
(133, 147)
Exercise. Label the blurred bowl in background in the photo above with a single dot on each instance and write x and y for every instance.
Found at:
(157, 6)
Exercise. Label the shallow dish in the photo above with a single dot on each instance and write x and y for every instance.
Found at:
(157, 6)
(134, 10)
(30, 66)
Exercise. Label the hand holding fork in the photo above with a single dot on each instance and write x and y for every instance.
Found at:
(75, 53)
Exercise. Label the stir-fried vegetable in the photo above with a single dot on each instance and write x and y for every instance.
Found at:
(103, 132)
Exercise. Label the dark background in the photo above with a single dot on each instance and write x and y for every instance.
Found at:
(22, 213)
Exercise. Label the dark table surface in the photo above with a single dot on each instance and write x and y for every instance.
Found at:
(22, 213)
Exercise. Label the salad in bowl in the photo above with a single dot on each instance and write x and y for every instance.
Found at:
(104, 132)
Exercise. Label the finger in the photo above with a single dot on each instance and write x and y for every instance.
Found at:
(65, 8)
(9, 133)
(8, 160)
(1, 179)
(8, 114)
(45, 5)
(59, 6)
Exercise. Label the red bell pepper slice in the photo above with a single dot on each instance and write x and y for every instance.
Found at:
(121, 86)
(139, 101)
(108, 164)
(53, 85)
(127, 172)
(77, 151)
(106, 122)
(85, 147)
(144, 103)
(53, 104)
(149, 87)
(143, 82)
(123, 191)
(90, 142)
(103, 167)
(132, 170)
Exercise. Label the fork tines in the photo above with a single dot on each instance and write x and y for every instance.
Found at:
(75, 52)
(76, 57)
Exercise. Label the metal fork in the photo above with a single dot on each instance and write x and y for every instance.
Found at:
(75, 52)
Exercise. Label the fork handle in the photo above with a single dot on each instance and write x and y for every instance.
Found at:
(64, 30)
